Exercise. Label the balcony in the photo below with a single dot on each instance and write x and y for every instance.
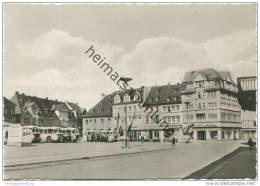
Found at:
(187, 91)
(218, 87)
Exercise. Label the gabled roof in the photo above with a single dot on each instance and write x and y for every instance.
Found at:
(101, 109)
(208, 74)
(44, 105)
(165, 94)
(8, 102)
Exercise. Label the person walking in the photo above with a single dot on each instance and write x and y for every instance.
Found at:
(250, 143)
(173, 141)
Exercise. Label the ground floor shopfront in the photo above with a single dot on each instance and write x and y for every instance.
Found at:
(215, 133)
(247, 133)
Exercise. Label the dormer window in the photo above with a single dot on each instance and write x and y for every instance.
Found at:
(94, 110)
(137, 97)
(117, 99)
(102, 110)
(157, 99)
(126, 98)
(168, 99)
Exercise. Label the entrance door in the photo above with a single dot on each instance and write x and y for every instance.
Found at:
(201, 135)
(150, 134)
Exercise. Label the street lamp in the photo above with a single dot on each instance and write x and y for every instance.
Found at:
(126, 80)
(187, 104)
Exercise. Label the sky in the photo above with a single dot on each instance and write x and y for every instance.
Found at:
(44, 46)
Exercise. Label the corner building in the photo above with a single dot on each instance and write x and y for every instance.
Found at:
(210, 104)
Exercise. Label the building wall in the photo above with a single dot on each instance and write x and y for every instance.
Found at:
(248, 120)
(210, 106)
(9, 114)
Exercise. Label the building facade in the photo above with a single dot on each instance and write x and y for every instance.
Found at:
(97, 122)
(210, 104)
(42, 112)
(9, 111)
(247, 100)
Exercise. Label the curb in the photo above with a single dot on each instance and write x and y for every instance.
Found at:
(196, 174)
(85, 157)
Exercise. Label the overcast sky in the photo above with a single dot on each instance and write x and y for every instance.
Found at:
(44, 46)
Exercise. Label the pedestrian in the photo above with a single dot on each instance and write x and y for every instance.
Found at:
(173, 141)
(250, 143)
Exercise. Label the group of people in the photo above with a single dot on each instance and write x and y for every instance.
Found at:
(97, 138)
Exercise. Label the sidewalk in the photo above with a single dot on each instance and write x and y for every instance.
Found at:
(43, 153)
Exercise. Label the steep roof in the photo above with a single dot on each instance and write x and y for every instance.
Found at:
(8, 102)
(75, 107)
(165, 94)
(102, 109)
(44, 105)
(208, 74)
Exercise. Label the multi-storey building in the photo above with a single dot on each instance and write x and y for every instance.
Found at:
(127, 111)
(138, 110)
(165, 99)
(31, 110)
(210, 104)
(247, 100)
(98, 120)
(248, 119)
(9, 117)
(78, 114)
(9, 108)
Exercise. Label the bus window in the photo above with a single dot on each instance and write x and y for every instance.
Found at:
(41, 131)
(45, 131)
(50, 131)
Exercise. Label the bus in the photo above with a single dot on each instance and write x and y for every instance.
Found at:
(35, 132)
(70, 134)
(50, 134)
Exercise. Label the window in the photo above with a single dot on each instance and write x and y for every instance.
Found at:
(147, 119)
(164, 108)
(134, 108)
(117, 99)
(102, 120)
(169, 109)
(108, 119)
(199, 96)
(203, 105)
(95, 121)
(129, 108)
(200, 116)
(199, 106)
(168, 99)
(126, 98)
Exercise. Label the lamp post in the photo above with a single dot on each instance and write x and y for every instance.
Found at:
(125, 81)
(126, 126)
(187, 108)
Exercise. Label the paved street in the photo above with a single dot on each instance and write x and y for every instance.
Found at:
(175, 162)
(238, 165)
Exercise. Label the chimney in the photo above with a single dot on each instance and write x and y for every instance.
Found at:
(16, 92)
(103, 94)
(169, 83)
(46, 98)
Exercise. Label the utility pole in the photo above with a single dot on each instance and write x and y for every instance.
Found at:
(187, 104)
(126, 126)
